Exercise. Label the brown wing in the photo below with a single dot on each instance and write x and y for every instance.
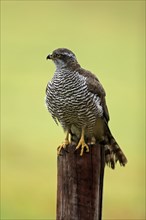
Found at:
(95, 86)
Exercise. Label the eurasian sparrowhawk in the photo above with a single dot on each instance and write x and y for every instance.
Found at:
(76, 99)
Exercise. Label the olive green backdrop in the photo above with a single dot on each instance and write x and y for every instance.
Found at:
(108, 39)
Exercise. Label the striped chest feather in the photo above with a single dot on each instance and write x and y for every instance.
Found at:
(69, 100)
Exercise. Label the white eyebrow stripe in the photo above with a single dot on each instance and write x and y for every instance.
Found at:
(69, 54)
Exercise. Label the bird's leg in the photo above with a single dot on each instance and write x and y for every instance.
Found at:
(82, 143)
(64, 143)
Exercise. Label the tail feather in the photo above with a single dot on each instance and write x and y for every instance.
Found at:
(113, 152)
(102, 134)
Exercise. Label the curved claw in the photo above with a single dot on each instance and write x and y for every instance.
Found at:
(82, 144)
(63, 145)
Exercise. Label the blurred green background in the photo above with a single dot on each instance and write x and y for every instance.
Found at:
(108, 39)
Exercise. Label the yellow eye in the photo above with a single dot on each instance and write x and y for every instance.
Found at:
(58, 55)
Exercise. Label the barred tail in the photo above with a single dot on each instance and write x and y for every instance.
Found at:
(113, 152)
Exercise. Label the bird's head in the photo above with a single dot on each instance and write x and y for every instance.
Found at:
(62, 57)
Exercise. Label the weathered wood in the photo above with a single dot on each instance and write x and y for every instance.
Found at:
(80, 184)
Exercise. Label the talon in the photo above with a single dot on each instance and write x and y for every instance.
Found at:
(64, 144)
(82, 144)
(82, 148)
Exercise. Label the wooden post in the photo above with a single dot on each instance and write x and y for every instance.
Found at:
(80, 184)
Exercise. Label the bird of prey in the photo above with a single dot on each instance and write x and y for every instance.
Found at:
(76, 99)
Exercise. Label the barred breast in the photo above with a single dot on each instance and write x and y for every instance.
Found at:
(69, 101)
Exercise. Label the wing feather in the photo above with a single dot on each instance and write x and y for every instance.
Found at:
(96, 87)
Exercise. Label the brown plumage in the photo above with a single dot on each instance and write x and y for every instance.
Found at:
(85, 92)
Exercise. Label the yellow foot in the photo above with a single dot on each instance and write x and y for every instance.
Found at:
(83, 145)
(63, 145)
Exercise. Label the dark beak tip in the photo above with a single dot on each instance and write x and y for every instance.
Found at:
(48, 57)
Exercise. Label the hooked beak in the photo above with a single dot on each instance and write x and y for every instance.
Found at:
(49, 57)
